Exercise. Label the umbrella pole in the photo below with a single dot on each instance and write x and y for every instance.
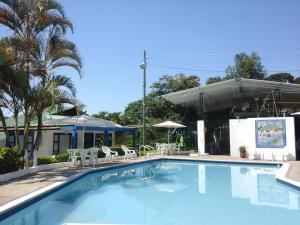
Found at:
(168, 135)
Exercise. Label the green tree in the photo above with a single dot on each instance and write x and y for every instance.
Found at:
(246, 66)
(214, 79)
(281, 77)
(39, 49)
(167, 84)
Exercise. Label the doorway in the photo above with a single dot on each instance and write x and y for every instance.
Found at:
(88, 140)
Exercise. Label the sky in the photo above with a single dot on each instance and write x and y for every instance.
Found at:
(180, 36)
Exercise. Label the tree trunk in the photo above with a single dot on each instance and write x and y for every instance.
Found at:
(17, 143)
(4, 125)
(26, 133)
(39, 132)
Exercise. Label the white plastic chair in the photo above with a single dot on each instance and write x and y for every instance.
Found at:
(128, 153)
(84, 156)
(109, 154)
(93, 152)
(72, 156)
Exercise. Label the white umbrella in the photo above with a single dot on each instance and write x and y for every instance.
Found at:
(169, 124)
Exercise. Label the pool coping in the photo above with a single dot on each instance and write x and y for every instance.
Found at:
(18, 204)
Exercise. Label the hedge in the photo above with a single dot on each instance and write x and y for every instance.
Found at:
(45, 159)
(62, 157)
(11, 159)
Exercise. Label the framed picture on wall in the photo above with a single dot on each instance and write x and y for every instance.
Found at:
(270, 133)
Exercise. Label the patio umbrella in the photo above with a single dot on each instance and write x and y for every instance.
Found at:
(169, 125)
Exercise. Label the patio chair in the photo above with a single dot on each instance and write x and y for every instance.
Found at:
(109, 154)
(128, 153)
(93, 152)
(73, 157)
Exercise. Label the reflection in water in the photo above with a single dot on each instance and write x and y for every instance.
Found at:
(257, 185)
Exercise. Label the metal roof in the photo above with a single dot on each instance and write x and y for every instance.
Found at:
(227, 93)
(57, 121)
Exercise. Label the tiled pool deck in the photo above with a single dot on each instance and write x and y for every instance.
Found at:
(20, 187)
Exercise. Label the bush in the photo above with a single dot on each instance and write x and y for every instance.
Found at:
(101, 154)
(11, 159)
(44, 159)
(62, 157)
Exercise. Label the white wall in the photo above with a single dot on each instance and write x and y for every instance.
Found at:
(242, 132)
(46, 146)
(201, 137)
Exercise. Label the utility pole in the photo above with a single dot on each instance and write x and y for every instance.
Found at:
(144, 67)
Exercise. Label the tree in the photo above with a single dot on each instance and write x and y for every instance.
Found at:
(247, 66)
(281, 77)
(297, 80)
(39, 49)
(115, 116)
(214, 79)
(52, 91)
(167, 84)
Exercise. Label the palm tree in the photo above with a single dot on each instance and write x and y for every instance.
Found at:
(29, 20)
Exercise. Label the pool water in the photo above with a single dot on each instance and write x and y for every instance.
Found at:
(169, 193)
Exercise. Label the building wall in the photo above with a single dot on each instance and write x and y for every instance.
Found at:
(46, 146)
(242, 132)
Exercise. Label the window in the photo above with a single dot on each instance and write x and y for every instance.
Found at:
(12, 140)
(61, 142)
(88, 140)
(55, 144)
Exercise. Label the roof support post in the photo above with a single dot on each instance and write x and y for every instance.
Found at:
(74, 138)
(133, 138)
(106, 138)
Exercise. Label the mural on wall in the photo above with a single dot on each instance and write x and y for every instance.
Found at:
(270, 133)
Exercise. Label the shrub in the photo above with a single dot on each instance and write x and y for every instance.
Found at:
(101, 154)
(44, 159)
(10, 159)
(62, 157)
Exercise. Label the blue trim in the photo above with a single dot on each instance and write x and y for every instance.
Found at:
(74, 138)
(25, 204)
(106, 138)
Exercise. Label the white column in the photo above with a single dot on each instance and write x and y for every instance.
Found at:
(201, 137)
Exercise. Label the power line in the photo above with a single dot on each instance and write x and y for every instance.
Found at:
(216, 60)
(232, 53)
(214, 71)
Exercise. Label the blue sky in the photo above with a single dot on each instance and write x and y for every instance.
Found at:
(192, 34)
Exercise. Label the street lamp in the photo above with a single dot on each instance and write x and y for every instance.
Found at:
(144, 67)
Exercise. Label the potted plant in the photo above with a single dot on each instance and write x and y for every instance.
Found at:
(243, 151)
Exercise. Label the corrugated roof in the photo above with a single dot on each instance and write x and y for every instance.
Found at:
(225, 94)
(54, 120)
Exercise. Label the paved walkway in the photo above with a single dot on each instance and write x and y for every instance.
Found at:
(19, 187)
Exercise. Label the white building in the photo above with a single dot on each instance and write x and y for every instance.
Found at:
(62, 131)
(229, 112)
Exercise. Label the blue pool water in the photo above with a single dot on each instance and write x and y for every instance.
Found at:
(170, 193)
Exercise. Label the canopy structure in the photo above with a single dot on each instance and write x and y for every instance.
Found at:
(169, 124)
(226, 94)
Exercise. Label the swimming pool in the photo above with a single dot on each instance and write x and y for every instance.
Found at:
(169, 193)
